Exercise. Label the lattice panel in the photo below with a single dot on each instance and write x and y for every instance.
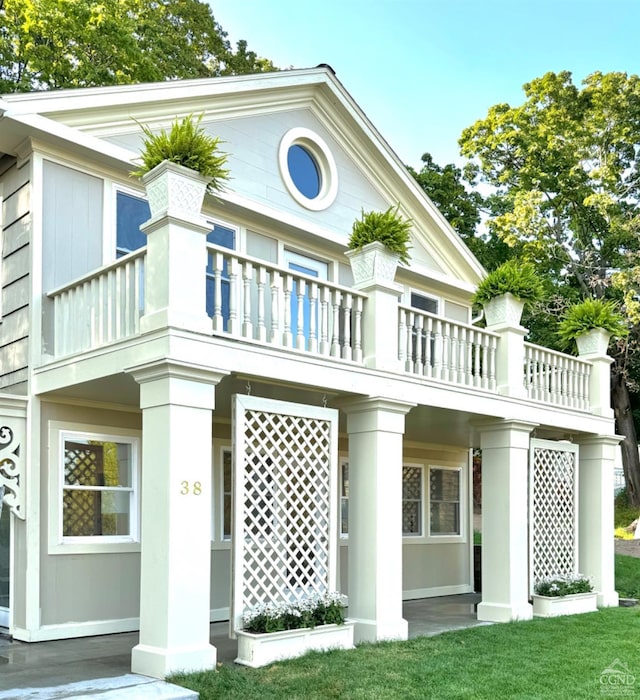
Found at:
(554, 543)
(285, 485)
(82, 511)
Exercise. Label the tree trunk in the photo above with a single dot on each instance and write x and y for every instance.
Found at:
(625, 426)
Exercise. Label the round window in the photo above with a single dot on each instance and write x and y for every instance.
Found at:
(308, 169)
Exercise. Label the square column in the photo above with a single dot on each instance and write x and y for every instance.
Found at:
(376, 428)
(595, 515)
(177, 402)
(505, 527)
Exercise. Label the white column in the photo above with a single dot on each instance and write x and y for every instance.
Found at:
(177, 402)
(175, 274)
(595, 515)
(376, 427)
(505, 504)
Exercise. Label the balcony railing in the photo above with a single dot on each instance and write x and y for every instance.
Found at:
(552, 377)
(99, 308)
(438, 348)
(255, 301)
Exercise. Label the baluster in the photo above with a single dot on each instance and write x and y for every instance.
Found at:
(218, 264)
(335, 335)
(438, 348)
(402, 339)
(476, 348)
(491, 364)
(419, 336)
(247, 276)
(262, 326)
(234, 279)
(110, 306)
(410, 335)
(276, 287)
(346, 310)
(312, 288)
(357, 331)
(301, 288)
(455, 354)
(287, 336)
(118, 303)
(325, 346)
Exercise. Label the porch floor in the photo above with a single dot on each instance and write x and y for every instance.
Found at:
(43, 665)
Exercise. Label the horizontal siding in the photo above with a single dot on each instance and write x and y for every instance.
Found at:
(15, 280)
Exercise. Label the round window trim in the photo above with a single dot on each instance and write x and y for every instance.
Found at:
(316, 147)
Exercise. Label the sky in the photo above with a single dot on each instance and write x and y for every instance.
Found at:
(423, 70)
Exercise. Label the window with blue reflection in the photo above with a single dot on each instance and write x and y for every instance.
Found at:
(131, 212)
(225, 237)
(304, 171)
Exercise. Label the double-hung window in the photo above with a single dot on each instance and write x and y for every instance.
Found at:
(97, 488)
(445, 496)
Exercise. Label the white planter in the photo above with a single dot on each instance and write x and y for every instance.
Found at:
(545, 606)
(257, 650)
(503, 310)
(174, 189)
(593, 342)
(373, 264)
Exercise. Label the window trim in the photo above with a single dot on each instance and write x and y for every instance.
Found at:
(328, 171)
(219, 535)
(462, 504)
(427, 295)
(342, 463)
(421, 533)
(58, 544)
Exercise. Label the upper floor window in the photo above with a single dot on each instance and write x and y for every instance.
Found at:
(131, 212)
(304, 171)
(225, 237)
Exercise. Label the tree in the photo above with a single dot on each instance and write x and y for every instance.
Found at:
(46, 44)
(462, 207)
(565, 168)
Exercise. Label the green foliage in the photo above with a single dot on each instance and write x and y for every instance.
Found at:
(513, 277)
(551, 658)
(388, 227)
(47, 44)
(587, 315)
(187, 144)
(327, 609)
(627, 576)
(563, 585)
(623, 512)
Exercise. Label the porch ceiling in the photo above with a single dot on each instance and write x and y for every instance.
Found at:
(423, 423)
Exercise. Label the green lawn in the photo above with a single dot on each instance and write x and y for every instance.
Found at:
(628, 576)
(543, 658)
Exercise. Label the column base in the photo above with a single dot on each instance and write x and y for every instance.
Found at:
(608, 599)
(498, 612)
(159, 662)
(374, 631)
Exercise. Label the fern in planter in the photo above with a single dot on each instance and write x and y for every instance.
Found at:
(386, 227)
(186, 144)
(512, 277)
(588, 315)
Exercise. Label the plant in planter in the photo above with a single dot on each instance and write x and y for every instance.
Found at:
(505, 291)
(170, 161)
(563, 595)
(379, 240)
(591, 323)
(274, 631)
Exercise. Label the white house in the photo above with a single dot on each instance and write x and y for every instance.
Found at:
(222, 417)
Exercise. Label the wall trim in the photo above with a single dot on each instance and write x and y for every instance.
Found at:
(69, 630)
(219, 614)
(417, 593)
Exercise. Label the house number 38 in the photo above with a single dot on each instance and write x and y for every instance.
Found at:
(186, 488)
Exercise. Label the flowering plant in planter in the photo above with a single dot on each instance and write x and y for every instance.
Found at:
(312, 611)
(563, 585)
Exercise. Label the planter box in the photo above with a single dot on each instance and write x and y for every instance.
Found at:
(545, 606)
(503, 310)
(257, 650)
(595, 341)
(174, 189)
(373, 264)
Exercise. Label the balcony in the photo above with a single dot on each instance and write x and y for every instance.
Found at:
(251, 301)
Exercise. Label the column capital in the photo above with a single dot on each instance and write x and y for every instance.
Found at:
(596, 440)
(374, 413)
(363, 404)
(169, 381)
(504, 432)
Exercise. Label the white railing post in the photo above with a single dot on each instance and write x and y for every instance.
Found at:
(599, 385)
(379, 345)
(510, 357)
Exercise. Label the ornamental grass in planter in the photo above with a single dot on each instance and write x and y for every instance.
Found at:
(590, 323)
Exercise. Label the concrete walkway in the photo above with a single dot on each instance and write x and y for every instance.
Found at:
(100, 667)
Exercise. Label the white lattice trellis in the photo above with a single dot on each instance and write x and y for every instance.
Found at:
(285, 502)
(553, 492)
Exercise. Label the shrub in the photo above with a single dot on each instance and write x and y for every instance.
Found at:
(387, 227)
(587, 315)
(187, 144)
(327, 609)
(512, 277)
(563, 585)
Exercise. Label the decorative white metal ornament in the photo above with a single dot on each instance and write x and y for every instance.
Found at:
(12, 464)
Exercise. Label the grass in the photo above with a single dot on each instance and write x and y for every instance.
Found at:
(543, 658)
(624, 514)
(628, 576)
